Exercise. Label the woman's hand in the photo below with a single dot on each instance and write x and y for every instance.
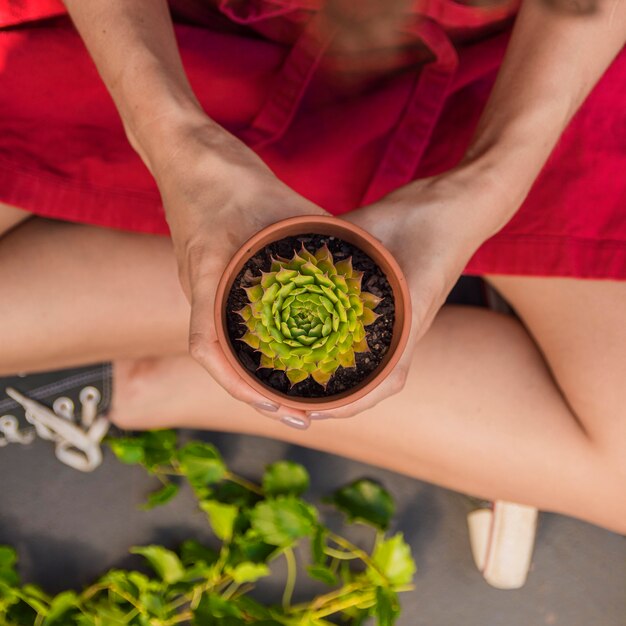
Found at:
(428, 227)
(217, 193)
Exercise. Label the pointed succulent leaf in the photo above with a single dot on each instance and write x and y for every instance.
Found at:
(284, 276)
(270, 293)
(369, 317)
(266, 350)
(266, 362)
(359, 332)
(323, 254)
(267, 279)
(329, 367)
(277, 263)
(346, 359)
(252, 340)
(254, 293)
(327, 267)
(245, 313)
(320, 377)
(354, 285)
(352, 320)
(301, 280)
(305, 254)
(319, 343)
(313, 289)
(296, 376)
(310, 269)
(340, 282)
(357, 304)
(324, 280)
(344, 267)
(330, 294)
(370, 300)
(279, 365)
(361, 346)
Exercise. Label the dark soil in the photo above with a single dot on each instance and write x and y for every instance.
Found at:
(378, 334)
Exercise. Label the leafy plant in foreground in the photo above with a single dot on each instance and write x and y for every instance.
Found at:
(307, 316)
(255, 524)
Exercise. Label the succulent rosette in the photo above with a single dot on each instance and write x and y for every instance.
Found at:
(307, 315)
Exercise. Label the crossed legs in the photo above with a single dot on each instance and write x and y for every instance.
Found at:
(484, 411)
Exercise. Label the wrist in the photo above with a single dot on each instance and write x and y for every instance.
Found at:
(508, 152)
(156, 103)
(492, 192)
(467, 204)
(158, 134)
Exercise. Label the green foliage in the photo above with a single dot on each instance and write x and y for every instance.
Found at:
(161, 496)
(253, 524)
(164, 562)
(221, 517)
(284, 478)
(201, 463)
(284, 520)
(394, 562)
(307, 316)
(365, 501)
(8, 559)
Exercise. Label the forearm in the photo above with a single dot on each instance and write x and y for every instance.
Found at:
(133, 45)
(555, 57)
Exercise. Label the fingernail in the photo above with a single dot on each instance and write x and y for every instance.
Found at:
(295, 422)
(320, 416)
(266, 406)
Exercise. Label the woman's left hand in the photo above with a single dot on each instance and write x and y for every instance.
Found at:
(431, 229)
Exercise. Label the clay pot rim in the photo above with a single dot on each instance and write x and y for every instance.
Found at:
(354, 235)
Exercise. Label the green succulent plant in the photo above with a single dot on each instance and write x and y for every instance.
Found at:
(307, 315)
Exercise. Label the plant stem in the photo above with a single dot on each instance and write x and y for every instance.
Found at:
(178, 602)
(125, 596)
(350, 547)
(341, 556)
(182, 617)
(162, 478)
(92, 591)
(328, 597)
(290, 558)
(131, 614)
(369, 596)
(243, 482)
(230, 590)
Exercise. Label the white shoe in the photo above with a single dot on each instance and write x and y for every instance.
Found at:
(502, 538)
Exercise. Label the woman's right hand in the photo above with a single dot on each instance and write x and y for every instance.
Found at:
(217, 193)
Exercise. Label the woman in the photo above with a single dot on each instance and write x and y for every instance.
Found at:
(530, 412)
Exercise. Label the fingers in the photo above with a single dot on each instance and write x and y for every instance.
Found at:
(204, 348)
(393, 384)
(211, 356)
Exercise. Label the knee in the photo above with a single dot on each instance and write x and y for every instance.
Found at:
(10, 217)
(610, 486)
(124, 421)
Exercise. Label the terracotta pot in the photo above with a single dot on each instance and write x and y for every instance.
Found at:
(321, 225)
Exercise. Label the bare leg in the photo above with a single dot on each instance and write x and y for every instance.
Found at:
(10, 217)
(481, 412)
(579, 325)
(72, 294)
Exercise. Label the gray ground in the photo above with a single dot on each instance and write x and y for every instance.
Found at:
(69, 527)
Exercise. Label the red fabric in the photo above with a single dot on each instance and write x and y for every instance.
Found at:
(63, 153)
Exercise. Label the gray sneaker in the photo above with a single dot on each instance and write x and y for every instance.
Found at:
(45, 405)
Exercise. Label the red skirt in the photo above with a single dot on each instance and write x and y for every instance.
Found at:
(270, 81)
